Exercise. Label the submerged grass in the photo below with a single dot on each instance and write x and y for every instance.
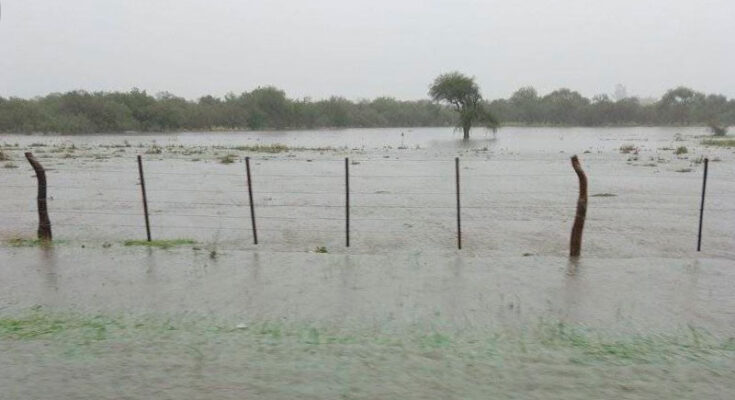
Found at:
(161, 244)
(272, 148)
(39, 324)
(302, 360)
(578, 343)
(719, 142)
(25, 242)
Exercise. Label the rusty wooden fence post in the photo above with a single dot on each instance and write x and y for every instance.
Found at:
(44, 223)
(145, 199)
(250, 195)
(701, 207)
(459, 218)
(576, 241)
(347, 202)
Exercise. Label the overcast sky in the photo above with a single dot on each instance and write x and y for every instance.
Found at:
(365, 48)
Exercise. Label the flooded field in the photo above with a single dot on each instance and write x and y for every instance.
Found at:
(299, 315)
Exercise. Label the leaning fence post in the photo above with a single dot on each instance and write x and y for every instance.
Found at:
(576, 242)
(44, 223)
(145, 199)
(250, 195)
(701, 207)
(347, 202)
(459, 218)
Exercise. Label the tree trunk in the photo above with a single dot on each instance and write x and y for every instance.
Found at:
(44, 224)
(576, 241)
(466, 129)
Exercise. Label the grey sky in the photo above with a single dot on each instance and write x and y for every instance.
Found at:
(365, 48)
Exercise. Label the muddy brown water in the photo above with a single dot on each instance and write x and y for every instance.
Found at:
(639, 272)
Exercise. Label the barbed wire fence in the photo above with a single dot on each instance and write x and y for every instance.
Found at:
(327, 200)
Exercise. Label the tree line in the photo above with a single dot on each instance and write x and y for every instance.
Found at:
(680, 106)
(270, 108)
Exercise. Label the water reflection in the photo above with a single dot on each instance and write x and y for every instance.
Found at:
(48, 266)
(573, 292)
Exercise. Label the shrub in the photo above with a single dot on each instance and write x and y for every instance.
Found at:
(228, 159)
(628, 148)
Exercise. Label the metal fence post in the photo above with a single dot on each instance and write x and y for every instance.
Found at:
(701, 207)
(459, 217)
(347, 202)
(145, 199)
(250, 195)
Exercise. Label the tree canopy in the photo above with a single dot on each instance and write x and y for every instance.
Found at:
(463, 95)
(270, 108)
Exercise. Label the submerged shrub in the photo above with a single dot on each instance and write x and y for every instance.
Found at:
(717, 129)
(628, 148)
(228, 159)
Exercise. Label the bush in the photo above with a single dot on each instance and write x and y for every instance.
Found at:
(628, 148)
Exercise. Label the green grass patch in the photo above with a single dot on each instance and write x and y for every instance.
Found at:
(681, 150)
(160, 244)
(39, 324)
(719, 142)
(24, 242)
(75, 334)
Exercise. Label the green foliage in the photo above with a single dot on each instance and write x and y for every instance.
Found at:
(262, 108)
(680, 106)
(270, 108)
(681, 150)
(463, 95)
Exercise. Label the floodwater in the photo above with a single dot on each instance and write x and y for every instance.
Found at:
(639, 274)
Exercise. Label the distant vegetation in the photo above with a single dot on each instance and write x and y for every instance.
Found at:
(269, 108)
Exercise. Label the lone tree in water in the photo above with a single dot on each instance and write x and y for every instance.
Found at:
(462, 93)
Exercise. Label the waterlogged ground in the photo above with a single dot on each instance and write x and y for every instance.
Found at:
(401, 313)
(68, 356)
